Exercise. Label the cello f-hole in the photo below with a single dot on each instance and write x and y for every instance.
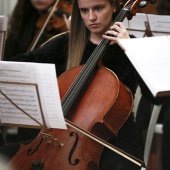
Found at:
(30, 152)
(73, 149)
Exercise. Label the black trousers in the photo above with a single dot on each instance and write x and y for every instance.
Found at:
(143, 118)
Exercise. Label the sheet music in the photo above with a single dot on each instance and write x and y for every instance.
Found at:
(159, 24)
(136, 25)
(24, 96)
(44, 76)
(151, 58)
(3, 28)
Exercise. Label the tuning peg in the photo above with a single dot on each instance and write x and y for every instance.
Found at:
(142, 4)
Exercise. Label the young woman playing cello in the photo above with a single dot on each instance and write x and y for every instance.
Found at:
(91, 21)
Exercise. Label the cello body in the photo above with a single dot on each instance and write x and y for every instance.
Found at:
(101, 109)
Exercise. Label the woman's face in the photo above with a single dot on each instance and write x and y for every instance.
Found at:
(42, 5)
(96, 14)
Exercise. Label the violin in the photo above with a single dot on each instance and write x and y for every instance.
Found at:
(53, 21)
(56, 21)
(91, 113)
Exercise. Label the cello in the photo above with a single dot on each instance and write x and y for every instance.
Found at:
(103, 122)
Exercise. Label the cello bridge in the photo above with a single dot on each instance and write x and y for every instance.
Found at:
(48, 138)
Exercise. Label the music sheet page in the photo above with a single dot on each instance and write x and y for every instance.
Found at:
(159, 25)
(136, 25)
(151, 58)
(26, 97)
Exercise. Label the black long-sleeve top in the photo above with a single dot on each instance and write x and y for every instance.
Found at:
(56, 51)
(20, 44)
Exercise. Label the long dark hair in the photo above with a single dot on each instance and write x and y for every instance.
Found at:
(19, 17)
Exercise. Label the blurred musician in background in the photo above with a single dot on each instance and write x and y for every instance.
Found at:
(27, 18)
(22, 25)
